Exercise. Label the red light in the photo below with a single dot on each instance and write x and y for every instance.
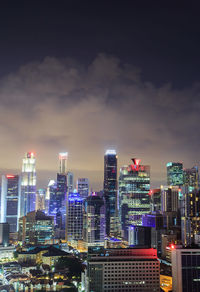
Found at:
(172, 246)
(10, 176)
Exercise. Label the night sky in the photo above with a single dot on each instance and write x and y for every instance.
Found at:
(84, 76)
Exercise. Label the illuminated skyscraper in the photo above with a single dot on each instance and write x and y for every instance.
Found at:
(10, 201)
(28, 189)
(191, 178)
(134, 198)
(51, 195)
(70, 182)
(83, 187)
(63, 162)
(40, 199)
(74, 218)
(174, 174)
(110, 191)
(94, 221)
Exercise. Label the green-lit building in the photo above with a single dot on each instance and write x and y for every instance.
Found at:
(134, 198)
(174, 174)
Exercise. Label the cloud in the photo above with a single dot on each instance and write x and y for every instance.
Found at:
(57, 105)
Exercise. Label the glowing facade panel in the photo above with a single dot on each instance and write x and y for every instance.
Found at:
(28, 184)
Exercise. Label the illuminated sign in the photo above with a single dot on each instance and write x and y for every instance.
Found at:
(10, 176)
(110, 152)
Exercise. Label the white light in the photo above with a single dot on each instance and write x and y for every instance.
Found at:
(63, 154)
(110, 151)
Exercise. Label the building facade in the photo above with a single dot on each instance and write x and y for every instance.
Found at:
(94, 221)
(134, 198)
(11, 200)
(83, 187)
(174, 174)
(74, 218)
(122, 270)
(110, 191)
(28, 184)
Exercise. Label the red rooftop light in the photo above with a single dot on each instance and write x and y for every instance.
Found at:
(10, 176)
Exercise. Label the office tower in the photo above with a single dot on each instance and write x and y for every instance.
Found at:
(123, 270)
(63, 162)
(4, 234)
(110, 191)
(10, 200)
(139, 236)
(74, 218)
(28, 184)
(134, 187)
(155, 200)
(51, 195)
(61, 190)
(83, 187)
(169, 199)
(190, 216)
(155, 221)
(94, 221)
(174, 174)
(40, 199)
(36, 228)
(186, 270)
(191, 178)
(70, 182)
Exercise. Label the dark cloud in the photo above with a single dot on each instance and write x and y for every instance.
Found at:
(59, 104)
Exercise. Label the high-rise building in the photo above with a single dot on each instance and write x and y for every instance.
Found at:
(4, 234)
(155, 200)
(28, 184)
(83, 187)
(139, 236)
(40, 199)
(130, 269)
(134, 198)
(70, 182)
(63, 162)
(174, 174)
(94, 221)
(190, 216)
(10, 200)
(51, 195)
(110, 191)
(186, 269)
(36, 228)
(74, 218)
(169, 199)
(191, 178)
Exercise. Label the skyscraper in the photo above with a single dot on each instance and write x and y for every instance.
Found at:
(40, 199)
(63, 162)
(110, 191)
(191, 178)
(28, 189)
(134, 199)
(74, 218)
(174, 174)
(51, 195)
(94, 221)
(70, 182)
(83, 187)
(10, 200)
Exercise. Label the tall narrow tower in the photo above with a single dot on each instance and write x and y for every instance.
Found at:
(63, 162)
(28, 185)
(110, 191)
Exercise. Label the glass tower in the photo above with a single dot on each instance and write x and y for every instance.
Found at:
(10, 200)
(174, 174)
(134, 187)
(110, 191)
(83, 187)
(28, 184)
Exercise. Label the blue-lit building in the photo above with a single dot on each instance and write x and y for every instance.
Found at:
(110, 191)
(11, 200)
(94, 221)
(83, 187)
(174, 174)
(74, 218)
(134, 198)
(51, 195)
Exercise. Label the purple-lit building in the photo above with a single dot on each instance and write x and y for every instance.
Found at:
(74, 218)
